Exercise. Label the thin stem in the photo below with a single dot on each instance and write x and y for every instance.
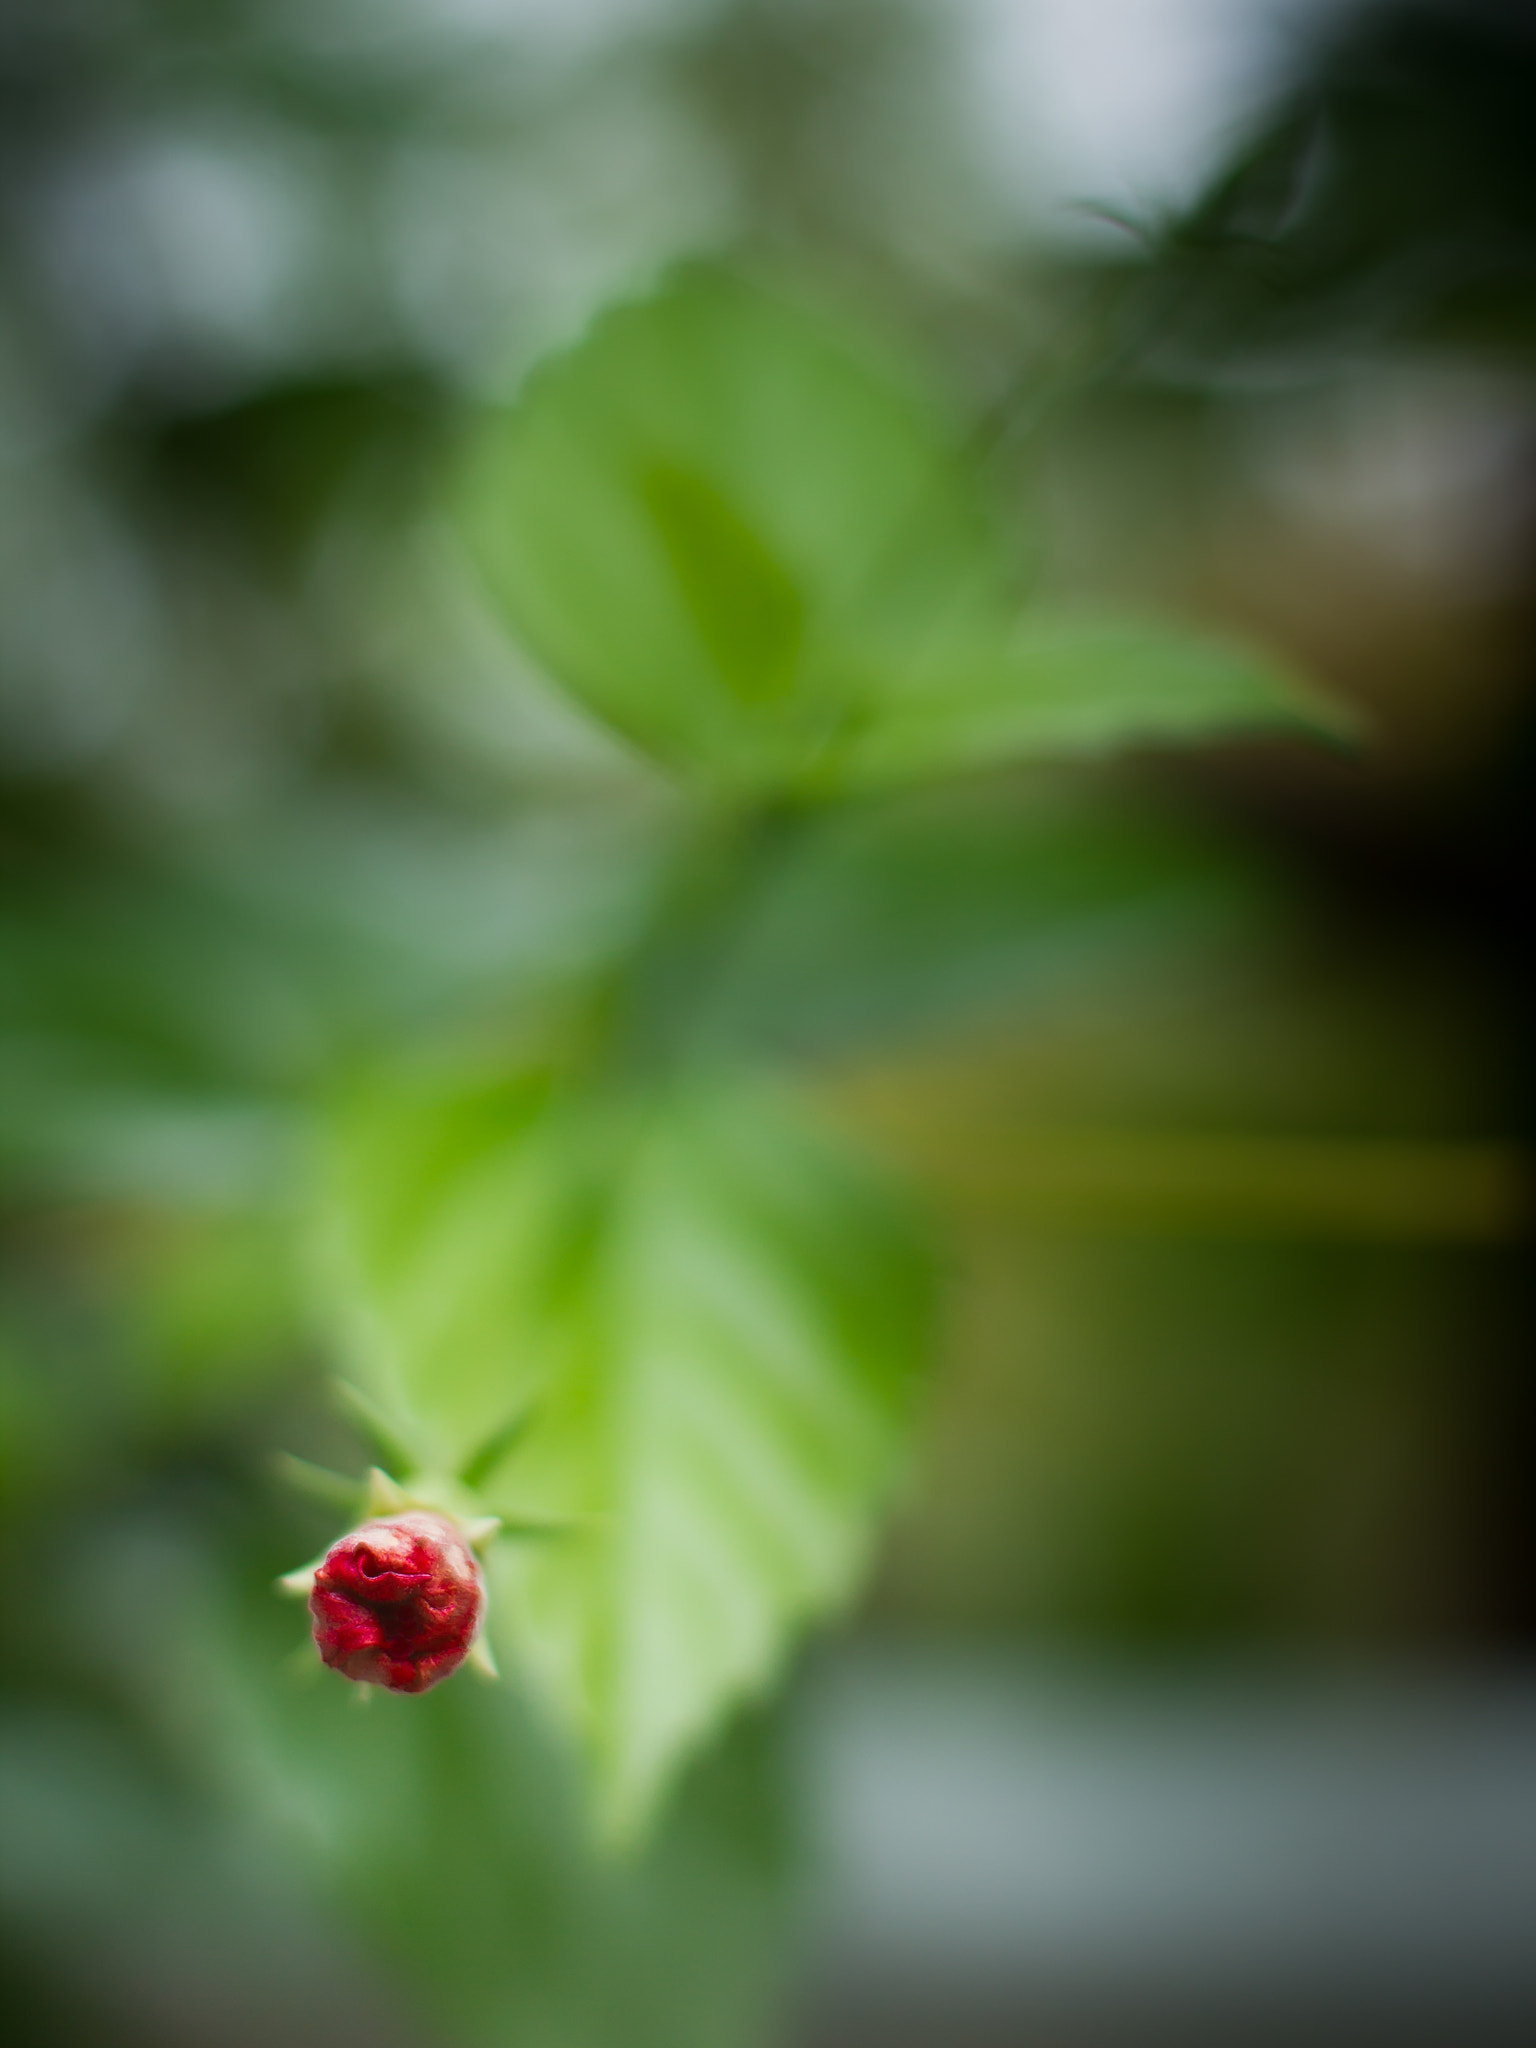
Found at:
(655, 1005)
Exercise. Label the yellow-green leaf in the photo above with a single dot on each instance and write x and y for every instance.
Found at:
(713, 1320)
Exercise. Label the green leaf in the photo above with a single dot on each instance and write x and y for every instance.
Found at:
(947, 903)
(447, 1215)
(714, 512)
(1077, 686)
(739, 537)
(713, 1319)
(744, 603)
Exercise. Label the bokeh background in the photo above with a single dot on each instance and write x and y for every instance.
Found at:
(1193, 1697)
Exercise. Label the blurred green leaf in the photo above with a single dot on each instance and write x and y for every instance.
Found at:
(752, 549)
(1077, 686)
(711, 515)
(743, 601)
(165, 1010)
(714, 1321)
(35, 1442)
(946, 903)
(451, 1217)
(214, 1303)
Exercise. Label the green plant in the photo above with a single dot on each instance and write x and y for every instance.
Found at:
(602, 1274)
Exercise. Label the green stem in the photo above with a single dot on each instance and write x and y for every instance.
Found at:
(653, 1007)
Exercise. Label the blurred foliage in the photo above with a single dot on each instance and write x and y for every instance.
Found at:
(666, 1333)
(188, 1817)
(319, 890)
(767, 565)
(729, 536)
(1389, 196)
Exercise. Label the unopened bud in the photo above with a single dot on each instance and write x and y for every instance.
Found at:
(398, 1602)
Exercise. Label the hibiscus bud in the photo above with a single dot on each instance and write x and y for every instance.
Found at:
(398, 1602)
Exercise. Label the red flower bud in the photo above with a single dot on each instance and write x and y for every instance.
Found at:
(398, 1601)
